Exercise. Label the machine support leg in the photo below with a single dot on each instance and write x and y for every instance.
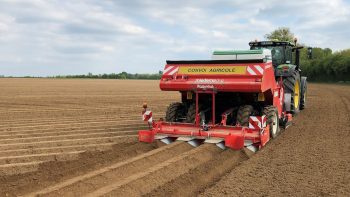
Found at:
(197, 119)
(213, 108)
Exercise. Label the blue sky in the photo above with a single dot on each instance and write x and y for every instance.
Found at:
(58, 37)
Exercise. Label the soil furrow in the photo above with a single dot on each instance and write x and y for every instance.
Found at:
(64, 110)
(53, 172)
(148, 179)
(75, 132)
(60, 149)
(57, 143)
(68, 128)
(19, 168)
(43, 120)
(60, 125)
(37, 122)
(203, 176)
(39, 157)
(87, 183)
(79, 118)
(311, 158)
(64, 137)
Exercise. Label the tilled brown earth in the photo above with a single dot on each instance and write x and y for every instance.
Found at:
(311, 158)
(52, 130)
(78, 138)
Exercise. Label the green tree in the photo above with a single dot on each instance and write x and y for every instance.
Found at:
(123, 75)
(281, 34)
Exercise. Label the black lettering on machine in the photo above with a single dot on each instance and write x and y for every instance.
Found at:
(197, 70)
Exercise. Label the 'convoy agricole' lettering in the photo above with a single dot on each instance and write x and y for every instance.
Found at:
(197, 70)
(226, 70)
(211, 70)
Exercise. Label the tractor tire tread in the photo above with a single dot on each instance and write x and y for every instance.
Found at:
(191, 114)
(289, 84)
(270, 111)
(243, 114)
(172, 111)
(303, 95)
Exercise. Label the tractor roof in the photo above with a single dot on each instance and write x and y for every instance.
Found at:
(259, 54)
(238, 52)
(271, 43)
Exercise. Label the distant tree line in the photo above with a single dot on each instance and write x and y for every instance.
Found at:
(324, 66)
(122, 75)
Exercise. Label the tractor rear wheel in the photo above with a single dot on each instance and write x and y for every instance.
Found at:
(191, 114)
(176, 112)
(243, 114)
(292, 85)
(272, 120)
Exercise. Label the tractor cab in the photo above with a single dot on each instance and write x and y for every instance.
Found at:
(281, 51)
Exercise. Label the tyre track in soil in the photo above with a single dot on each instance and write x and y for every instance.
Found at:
(23, 148)
(11, 116)
(34, 139)
(45, 151)
(32, 122)
(29, 122)
(50, 133)
(64, 127)
(117, 109)
(279, 169)
(77, 124)
(164, 169)
(60, 125)
(50, 173)
(310, 159)
(64, 119)
(23, 151)
(59, 149)
(66, 142)
(112, 127)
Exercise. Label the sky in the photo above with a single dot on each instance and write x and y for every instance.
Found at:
(61, 37)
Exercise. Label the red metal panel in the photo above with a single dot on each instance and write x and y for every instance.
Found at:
(278, 98)
(146, 136)
(233, 136)
(262, 79)
(236, 142)
(265, 135)
(252, 77)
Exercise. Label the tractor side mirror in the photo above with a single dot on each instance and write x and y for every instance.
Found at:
(309, 53)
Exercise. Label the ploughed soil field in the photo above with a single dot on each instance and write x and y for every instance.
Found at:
(79, 138)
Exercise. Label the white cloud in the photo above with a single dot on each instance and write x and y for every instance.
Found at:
(40, 37)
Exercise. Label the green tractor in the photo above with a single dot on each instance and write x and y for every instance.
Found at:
(286, 61)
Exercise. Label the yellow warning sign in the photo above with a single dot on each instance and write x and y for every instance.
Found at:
(212, 70)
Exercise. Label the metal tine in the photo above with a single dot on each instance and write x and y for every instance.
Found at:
(195, 142)
(252, 148)
(167, 140)
(221, 145)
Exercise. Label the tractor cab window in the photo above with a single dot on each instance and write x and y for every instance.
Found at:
(277, 53)
(288, 55)
(277, 56)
